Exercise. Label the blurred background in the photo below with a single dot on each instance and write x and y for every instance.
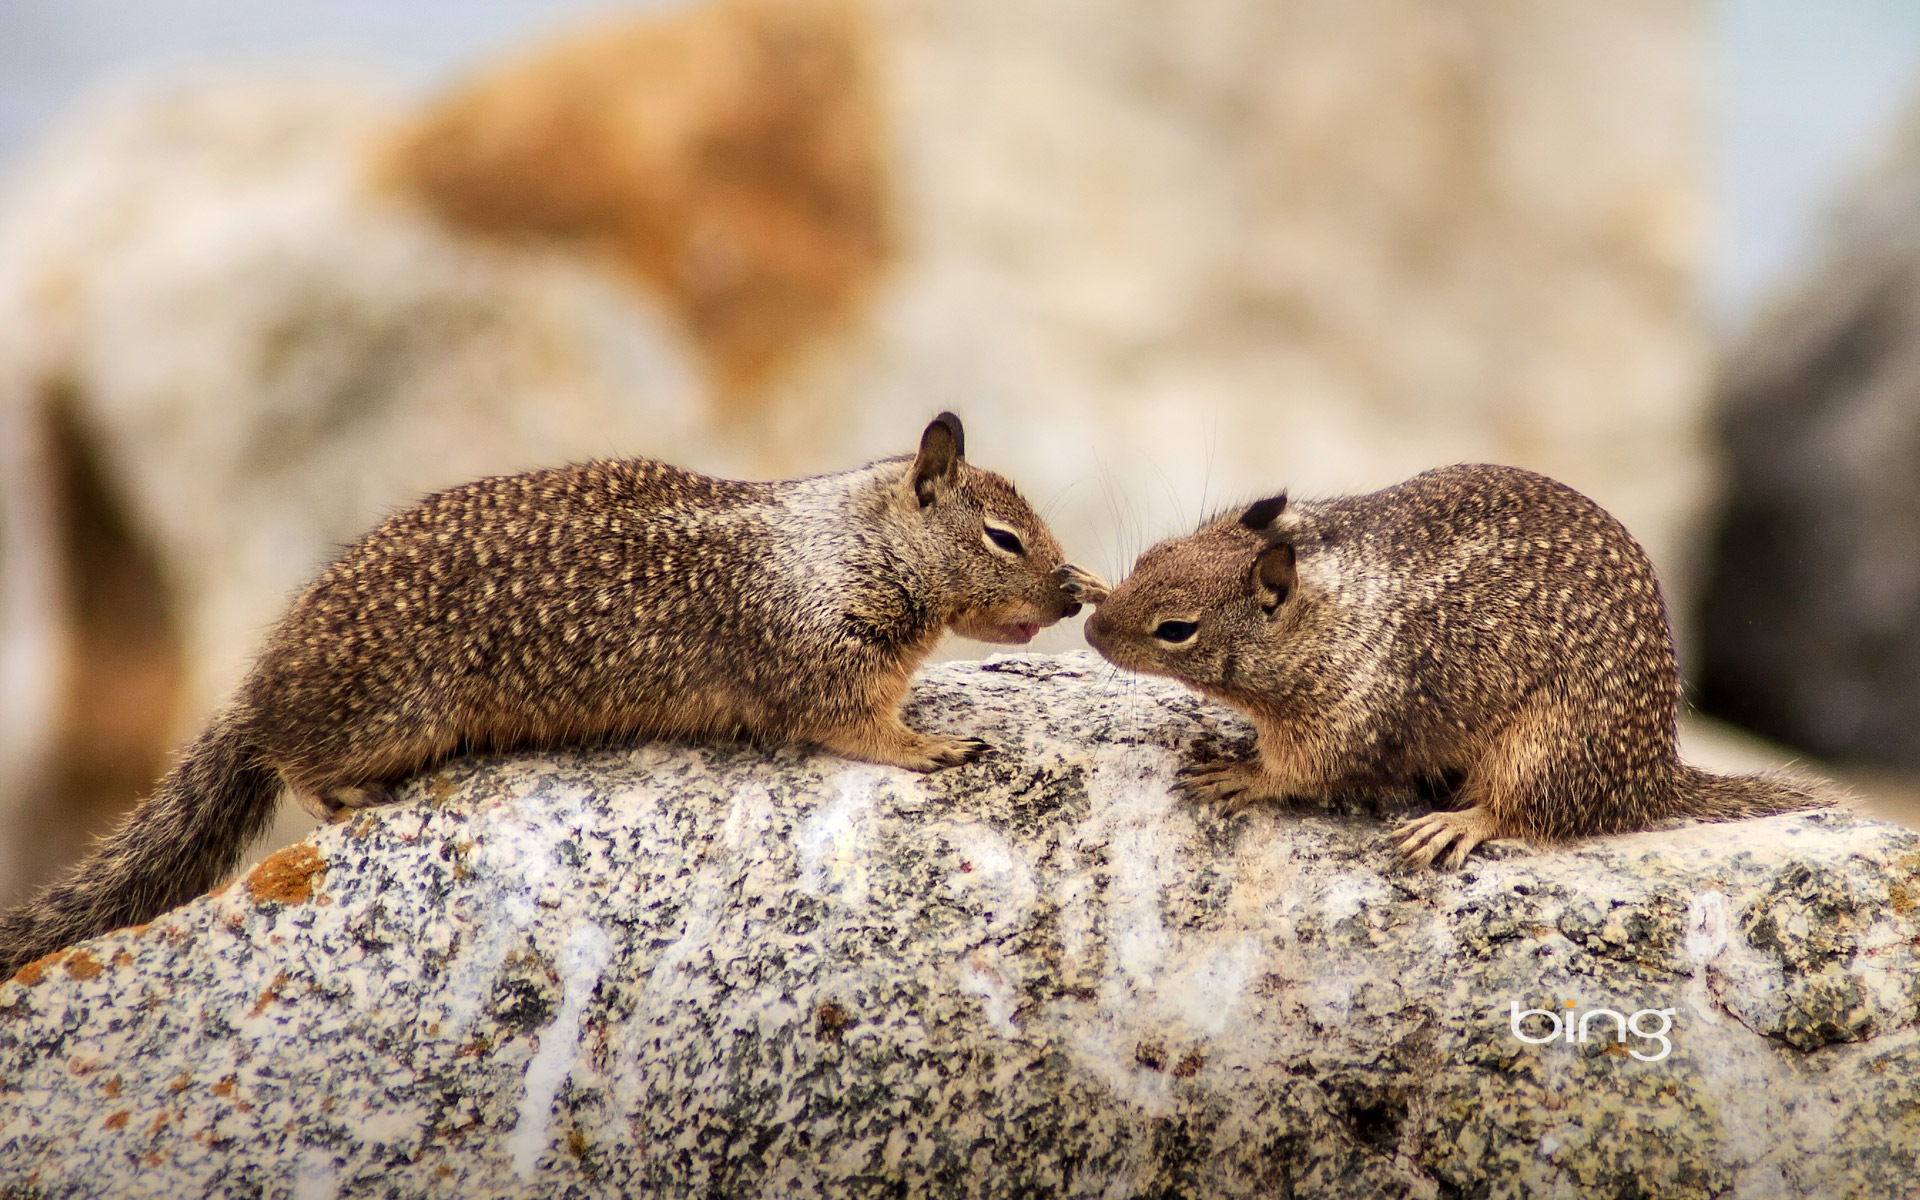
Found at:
(268, 271)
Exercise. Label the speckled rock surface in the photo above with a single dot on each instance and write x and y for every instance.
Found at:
(679, 971)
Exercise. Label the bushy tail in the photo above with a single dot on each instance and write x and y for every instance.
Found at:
(1713, 797)
(181, 841)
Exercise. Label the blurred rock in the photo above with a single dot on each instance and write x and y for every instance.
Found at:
(1155, 251)
(259, 355)
(674, 971)
(34, 629)
(1810, 625)
(728, 155)
(1168, 255)
(1157, 255)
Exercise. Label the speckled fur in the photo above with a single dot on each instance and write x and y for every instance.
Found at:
(1479, 626)
(614, 599)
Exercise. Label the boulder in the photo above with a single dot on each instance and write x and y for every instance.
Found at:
(1810, 628)
(699, 970)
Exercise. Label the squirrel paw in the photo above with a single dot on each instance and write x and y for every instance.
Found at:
(946, 752)
(1231, 786)
(1424, 839)
(1081, 584)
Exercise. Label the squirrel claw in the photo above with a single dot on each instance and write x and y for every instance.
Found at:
(1081, 584)
(1232, 786)
(958, 752)
(975, 749)
(1424, 840)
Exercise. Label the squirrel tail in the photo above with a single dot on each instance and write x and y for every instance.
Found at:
(178, 843)
(1711, 797)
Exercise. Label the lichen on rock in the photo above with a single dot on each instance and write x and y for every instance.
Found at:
(705, 970)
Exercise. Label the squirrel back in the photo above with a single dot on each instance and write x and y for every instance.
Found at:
(1478, 624)
(614, 599)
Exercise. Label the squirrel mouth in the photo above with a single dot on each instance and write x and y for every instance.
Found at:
(1017, 633)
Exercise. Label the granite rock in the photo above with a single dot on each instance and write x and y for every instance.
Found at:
(716, 971)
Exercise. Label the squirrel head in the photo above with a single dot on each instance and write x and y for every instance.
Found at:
(1005, 574)
(1198, 608)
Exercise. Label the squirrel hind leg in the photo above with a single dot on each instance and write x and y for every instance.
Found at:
(1504, 793)
(329, 803)
(1424, 841)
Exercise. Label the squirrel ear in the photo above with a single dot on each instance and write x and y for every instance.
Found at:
(1261, 514)
(942, 446)
(1273, 576)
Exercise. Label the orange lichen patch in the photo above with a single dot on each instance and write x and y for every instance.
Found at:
(731, 156)
(830, 1020)
(180, 1083)
(121, 958)
(225, 1086)
(287, 877)
(112, 1088)
(477, 1047)
(269, 996)
(83, 966)
(36, 970)
(116, 1120)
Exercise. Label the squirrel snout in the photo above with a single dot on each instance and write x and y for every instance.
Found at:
(1095, 630)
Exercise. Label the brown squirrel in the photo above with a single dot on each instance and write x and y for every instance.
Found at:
(1479, 624)
(625, 598)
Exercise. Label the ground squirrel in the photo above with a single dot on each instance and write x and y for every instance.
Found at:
(1477, 626)
(615, 599)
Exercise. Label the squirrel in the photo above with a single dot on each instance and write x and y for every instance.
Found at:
(622, 598)
(1477, 625)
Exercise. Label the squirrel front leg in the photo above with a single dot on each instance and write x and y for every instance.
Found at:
(1284, 770)
(886, 739)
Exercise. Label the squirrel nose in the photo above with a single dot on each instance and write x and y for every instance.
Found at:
(1095, 629)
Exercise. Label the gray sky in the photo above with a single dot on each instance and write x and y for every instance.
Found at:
(1803, 89)
(1806, 90)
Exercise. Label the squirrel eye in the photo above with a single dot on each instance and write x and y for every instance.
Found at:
(1176, 631)
(1006, 539)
